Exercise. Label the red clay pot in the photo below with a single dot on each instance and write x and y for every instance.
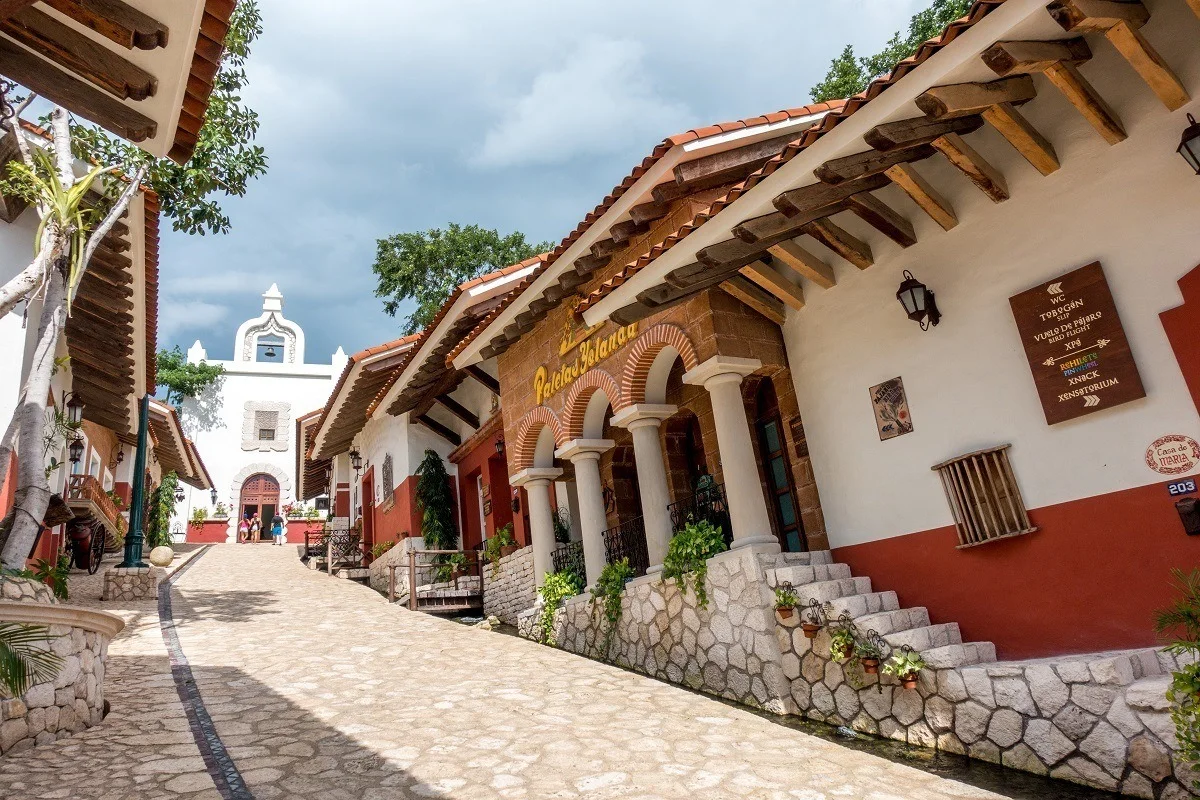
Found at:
(785, 613)
(810, 629)
(508, 549)
(909, 681)
(870, 666)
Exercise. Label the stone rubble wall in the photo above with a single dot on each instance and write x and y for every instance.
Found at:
(133, 583)
(25, 590)
(397, 556)
(72, 702)
(1101, 720)
(728, 649)
(508, 587)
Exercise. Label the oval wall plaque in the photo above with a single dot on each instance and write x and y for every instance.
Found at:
(1173, 454)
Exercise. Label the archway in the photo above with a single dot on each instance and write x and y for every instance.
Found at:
(259, 495)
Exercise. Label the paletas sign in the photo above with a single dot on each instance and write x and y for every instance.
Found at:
(1077, 350)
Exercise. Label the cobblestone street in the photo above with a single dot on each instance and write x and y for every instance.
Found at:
(318, 689)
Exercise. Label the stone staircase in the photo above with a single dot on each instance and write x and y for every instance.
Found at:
(815, 576)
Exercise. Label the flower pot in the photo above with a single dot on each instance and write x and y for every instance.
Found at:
(810, 629)
(785, 613)
(870, 666)
(842, 655)
(909, 680)
(508, 549)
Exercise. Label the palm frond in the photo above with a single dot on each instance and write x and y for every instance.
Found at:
(24, 657)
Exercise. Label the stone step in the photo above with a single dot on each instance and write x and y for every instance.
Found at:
(926, 637)
(824, 591)
(959, 655)
(858, 605)
(796, 559)
(894, 621)
(805, 574)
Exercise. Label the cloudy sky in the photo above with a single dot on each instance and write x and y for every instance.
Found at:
(401, 115)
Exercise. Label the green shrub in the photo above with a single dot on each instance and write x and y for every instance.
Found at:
(903, 664)
(436, 502)
(1181, 622)
(688, 556)
(558, 586)
(610, 587)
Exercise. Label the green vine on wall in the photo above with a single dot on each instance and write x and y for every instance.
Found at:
(162, 506)
(1182, 622)
(687, 558)
(558, 586)
(610, 588)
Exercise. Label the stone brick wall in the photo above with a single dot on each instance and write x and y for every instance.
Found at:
(397, 556)
(508, 588)
(134, 583)
(25, 590)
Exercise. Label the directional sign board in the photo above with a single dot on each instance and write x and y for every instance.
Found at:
(1077, 350)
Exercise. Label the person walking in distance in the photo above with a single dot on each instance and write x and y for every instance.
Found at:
(277, 529)
(255, 527)
(243, 530)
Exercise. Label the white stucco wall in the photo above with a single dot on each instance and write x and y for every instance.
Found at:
(1133, 207)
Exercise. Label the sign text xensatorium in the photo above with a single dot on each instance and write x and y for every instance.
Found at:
(1077, 350)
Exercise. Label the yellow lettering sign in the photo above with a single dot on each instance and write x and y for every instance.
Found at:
(591, 352)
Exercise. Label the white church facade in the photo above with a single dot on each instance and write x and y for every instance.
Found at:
(246, 422)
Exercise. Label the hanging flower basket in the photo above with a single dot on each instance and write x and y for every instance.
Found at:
(785, 613)
(811, 629)
(909, 680)
(870, 666)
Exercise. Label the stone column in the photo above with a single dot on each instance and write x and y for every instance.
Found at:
(536, 481)
(585, 455)
(643, 421)
(722, 377)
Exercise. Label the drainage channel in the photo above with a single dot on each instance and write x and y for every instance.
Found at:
(1003, 781)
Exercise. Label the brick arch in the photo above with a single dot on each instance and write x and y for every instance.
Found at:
(575, 406)
(645, 349)
(528, 431)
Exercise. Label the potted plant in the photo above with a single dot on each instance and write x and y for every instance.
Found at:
(221, 511)
(868, 656)
(905, 665)
(508, 542)
(458, 565)
(785, 601)
(841, 643)
(812, 625)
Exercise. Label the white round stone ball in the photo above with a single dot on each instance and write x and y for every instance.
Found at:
(162, 556)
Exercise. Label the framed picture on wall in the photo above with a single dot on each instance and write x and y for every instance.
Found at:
(891, 409)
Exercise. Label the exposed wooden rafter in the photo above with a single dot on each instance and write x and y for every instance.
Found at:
(457, 409)
(842, 242)
(923, 194)
(10, 7)
(821, 195)
(906, 133)
(116, 21)
(622, 232)
(773, 280)
(1120, 23)
(880, 216)
(804, 263)
(588, 264)
(870, 162)
(754, 297)
(648, 212)
(1058, 61)
(439, 429)
(484, 379)
(974, 166)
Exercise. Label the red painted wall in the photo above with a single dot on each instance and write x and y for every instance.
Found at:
(1089, 579)
(211, 531)
(1182, 325)
(483, 461)
(341, 503)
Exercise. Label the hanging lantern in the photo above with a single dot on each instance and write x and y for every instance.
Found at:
(355, 460)
(212, 495)
(499, 445)
(178, 494)
(121, 454)
(75, 451)
(918, 302)
(75, 409)
(1189, 146)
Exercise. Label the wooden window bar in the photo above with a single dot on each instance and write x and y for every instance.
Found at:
(984, 497)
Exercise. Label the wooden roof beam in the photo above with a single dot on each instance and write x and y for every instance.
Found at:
(774, 281)
(80, 55)
(10, 7)
(915, 131)
(483, 378)
(1120, 23)
(439, 429)
(974, 166)
(927, 198)
(622, 232)
(1026, 139)
(588, 264)
(115, 21)
(819, 195)
(60, 87)
(457, 409)
(732, 164)
(648, 212)
(804, 263)
(1058, 61)
(778, 227)
(842, 242)
(762, 302)
(605, 247)
(869, 162)
(880, 216)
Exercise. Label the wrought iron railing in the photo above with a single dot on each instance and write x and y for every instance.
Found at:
(707, 505)
(628, 540)
(569, 557)
(314, 544)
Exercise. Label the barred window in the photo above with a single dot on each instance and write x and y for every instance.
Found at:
(389, 485)
(265, 423)
(984, 496)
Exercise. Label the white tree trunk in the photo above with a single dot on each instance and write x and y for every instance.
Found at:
(33, 489)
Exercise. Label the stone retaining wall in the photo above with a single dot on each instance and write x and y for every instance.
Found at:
(508, 587)
(397, 556)
(133, 583)
(74, 700)
(1100, 720)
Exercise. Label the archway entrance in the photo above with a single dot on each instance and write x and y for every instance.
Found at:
(260, 495)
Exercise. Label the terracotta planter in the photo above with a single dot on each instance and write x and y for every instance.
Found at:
(843, 655)
(870, 666)
(810, 629)
(785, 613)
(909, 680)
(508, 549)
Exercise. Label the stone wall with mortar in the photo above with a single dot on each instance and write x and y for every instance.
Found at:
(396, 556)
(508, 588)
(25, 590)
(133, 583)
(1101, 720)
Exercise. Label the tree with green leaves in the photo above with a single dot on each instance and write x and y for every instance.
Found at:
(70, 231)
(848, 75)
(181, 379)
(436, 502)
(426, 266)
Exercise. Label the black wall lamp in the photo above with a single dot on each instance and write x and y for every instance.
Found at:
(516, 500)
(1189, 146)
(918, 302)
(75, 451)
(212, 495)
(500, 445)
(74, 407)
(179, 494)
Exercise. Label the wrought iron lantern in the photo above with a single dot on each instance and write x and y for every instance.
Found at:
(75, 451)
(918, 302)
(212, 495)
(121, 454)
(500, 445)
(1189, 146)
(74, 408)
(179, 494)
(356, 460)
(516, 500)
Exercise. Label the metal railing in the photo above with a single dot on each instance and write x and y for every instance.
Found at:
(707, 505)
(438, 581)
(314, 544)
(628, 540)
(569, 558)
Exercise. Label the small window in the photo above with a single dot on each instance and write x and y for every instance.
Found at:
(265, 425)
(266, 435)
(322, 503)
(94, 465)
(984, 497)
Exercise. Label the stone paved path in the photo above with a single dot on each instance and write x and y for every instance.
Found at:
(319, 689)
